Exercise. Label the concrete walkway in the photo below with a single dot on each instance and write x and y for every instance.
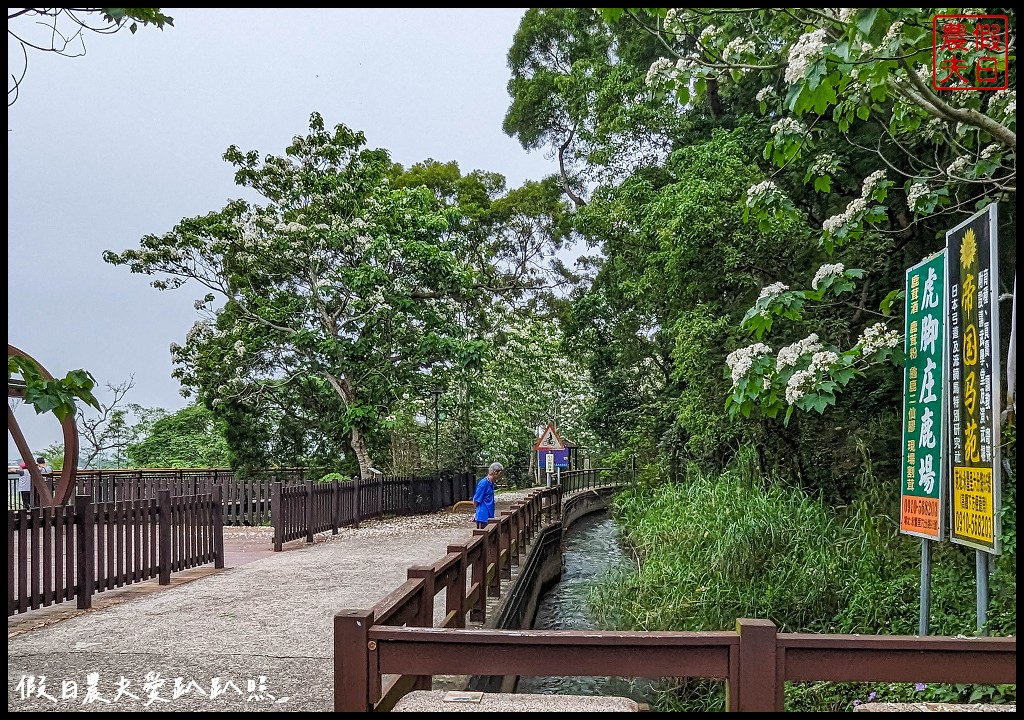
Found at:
(254, 637)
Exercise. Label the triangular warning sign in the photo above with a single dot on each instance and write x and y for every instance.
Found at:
(549, 440)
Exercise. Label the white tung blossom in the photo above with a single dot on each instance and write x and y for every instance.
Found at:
(790, 355)
(764, 92)
(826, 271)
(989, 151)
(870, 181)
(799, 383)
(738, 47)
(825, 164)
(762, 190)
(915, 194)
(958, 165)
(660, 69)
(877, 337)
(837, 222)
(804, 52)
(773, 290)
(708, 34)
(822, 361)
(740, 361)
(788, 126)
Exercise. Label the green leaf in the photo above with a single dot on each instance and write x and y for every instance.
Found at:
(865, 19)
(863, 112)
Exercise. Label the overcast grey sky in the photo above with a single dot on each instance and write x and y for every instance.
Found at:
(127, 140)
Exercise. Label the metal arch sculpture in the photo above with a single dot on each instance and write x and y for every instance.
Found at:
(65, 489)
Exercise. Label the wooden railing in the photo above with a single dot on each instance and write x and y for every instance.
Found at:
(246, 500)
(398, 639)
(75, 551)
(467, 576)
(302, 510)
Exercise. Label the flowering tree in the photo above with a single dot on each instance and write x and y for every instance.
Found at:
(866, 73)
(334, 304)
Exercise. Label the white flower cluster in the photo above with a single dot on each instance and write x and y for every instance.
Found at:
(290, 227)
(708, 34)
(834, 223)
(825, 164)
(915, 193)
(799, 383)
(804, 52)
(989, 151)
(822, 361)
(870, 181)
(740, 361)
(892, 34)
(826, 271)
(763, 93)
(1005, 96)
(738, 47)
(761, 190)
(688, 62)
(239, 348)
(773, 290)
(958, 165)
(673, 20)
(660, 69)
(846, 14)
(876, 337)
(790, 355)
(788, 126)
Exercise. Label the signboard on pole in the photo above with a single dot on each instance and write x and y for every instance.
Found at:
(922, 490)
(551, 444)
(971, 248)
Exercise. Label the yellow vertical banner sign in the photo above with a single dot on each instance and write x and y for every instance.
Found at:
(973, 274)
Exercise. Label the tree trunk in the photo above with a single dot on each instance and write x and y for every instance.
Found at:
(362, 452)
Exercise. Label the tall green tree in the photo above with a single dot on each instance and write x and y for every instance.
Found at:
(192, 437)
(925, 158)
(343, 294)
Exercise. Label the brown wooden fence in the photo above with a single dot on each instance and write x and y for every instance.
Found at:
(396, 640)
(246, 501)
(302, 510)
(75, 551)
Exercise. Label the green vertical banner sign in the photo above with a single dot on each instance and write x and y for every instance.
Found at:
(922, 491)
(974, 381)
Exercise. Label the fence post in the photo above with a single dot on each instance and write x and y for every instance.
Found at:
(217, 510)
(357, 511)
(492, 553)
(426, 611)
(85, 546)
(335, 505)
(455, 594)
(309, 512)
(756, 689)
(163, 506)
(277, 515)
(352, 675)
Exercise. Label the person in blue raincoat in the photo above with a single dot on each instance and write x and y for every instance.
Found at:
(483, 497)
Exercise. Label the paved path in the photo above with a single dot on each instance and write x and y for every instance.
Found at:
(256, 636)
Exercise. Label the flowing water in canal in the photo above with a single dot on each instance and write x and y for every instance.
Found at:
(591, 548)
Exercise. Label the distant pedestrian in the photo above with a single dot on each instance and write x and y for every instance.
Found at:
(44, 467)
(25, 486)
(483, 497)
